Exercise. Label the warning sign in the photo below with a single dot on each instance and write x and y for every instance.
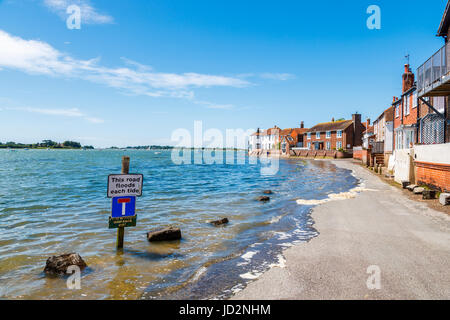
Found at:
(125, 185)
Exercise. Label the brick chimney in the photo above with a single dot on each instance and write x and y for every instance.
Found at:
(368, 122)
(357, 129)
(302, 124)
(407, 79)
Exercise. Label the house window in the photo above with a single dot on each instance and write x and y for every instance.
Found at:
(328, 134)
(396, 112)
(339, 145)
(328, 145)
(309, 145)
(414, 103)
(339, 133)
(439, 104)
(406, 104)
(309, 135)
(317, 135)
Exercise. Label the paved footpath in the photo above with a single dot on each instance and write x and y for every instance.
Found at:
(407, 241)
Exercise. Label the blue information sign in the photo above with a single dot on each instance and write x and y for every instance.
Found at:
(123, 207)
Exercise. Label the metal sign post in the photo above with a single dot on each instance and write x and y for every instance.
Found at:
(123, 189)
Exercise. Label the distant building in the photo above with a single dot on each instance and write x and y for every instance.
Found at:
(292, 139)
(368, 137)
(265, 141)
(405, 118)
(335, 135)
(383, 129)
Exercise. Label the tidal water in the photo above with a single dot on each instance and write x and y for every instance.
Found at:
(54, 202)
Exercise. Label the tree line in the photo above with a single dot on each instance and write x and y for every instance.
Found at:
(45, 144)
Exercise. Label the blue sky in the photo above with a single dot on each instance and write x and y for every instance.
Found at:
(138, 70)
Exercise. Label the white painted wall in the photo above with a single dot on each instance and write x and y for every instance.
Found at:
(436, 153)
(403, 168)
(388, 136)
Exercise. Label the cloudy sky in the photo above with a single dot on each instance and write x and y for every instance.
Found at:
(136, 71)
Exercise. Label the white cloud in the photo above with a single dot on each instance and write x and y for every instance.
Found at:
(268, 75)
(38, 57)
(211, 105)
(72, 113)
(89, 14)
(277, 76)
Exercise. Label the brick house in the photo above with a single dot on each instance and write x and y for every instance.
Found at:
(405, 115)
(292, 138)
(383, 129)
(335, 135)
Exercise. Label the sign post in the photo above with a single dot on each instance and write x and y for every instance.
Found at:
(123, 189)
(121, 230)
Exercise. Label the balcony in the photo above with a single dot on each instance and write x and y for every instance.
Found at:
(433, 77)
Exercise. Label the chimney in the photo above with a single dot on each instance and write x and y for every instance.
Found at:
(357, 130)
(302, 124)
(407, 79)
(368, 122)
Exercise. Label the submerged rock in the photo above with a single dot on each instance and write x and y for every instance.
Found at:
(264, 199)
(267, 192)
(167, 234)
(220, 222)
(60, 264)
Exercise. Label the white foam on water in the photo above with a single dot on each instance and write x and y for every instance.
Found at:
(335, 196)
(199, 272)
(283, 235)
(252, 275)
(247, 257)
(281, 262)
(275, 219)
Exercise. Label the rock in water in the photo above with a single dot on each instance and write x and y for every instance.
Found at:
(264, 199)
(167, 234)
(220, 222)
(267, 192)
(59, 264)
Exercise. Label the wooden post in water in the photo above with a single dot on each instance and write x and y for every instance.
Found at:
(121, 230)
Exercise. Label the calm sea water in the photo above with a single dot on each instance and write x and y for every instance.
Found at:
(54, 202)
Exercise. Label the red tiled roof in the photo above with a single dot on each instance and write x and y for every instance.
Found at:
(285, 132)
(331, 126)
(301, 130)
